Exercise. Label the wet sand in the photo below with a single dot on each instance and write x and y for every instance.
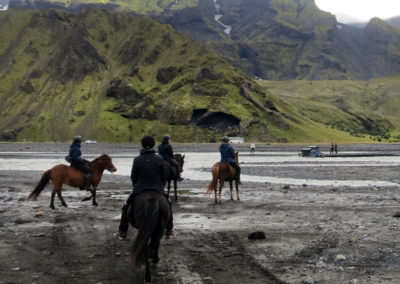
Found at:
(329, 234)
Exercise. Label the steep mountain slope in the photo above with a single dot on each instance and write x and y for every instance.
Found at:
(114, 77)
(272, 39)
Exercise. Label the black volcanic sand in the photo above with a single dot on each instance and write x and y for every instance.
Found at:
(321, 234)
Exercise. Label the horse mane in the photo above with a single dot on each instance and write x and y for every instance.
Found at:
(98, 157)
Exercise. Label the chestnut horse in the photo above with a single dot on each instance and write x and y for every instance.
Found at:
(150, 215)
(61, 174)
(172, 175)
(223, 171)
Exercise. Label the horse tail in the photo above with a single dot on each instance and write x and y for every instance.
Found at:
(140, 249)
(214, 182)
(39, 187)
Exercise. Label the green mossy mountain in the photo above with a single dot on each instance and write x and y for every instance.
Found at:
(270, 39)
(115, 77)
(362, 108)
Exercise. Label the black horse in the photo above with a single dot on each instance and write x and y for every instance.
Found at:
(150, 216)
(172, 174)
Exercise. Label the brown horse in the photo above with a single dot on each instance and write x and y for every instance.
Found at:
(172, 175)
(222, 172)
(150, 216)
(61, 174)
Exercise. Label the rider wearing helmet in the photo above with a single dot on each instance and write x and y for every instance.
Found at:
(147, 174)
(165, 150)
(228, 155)
(79, 163)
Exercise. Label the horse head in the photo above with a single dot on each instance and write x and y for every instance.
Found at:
(180, 159)
(106, 162)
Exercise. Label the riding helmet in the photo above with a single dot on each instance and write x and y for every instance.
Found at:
(166, 137)
(225, 139)
(148, 142)
(77, 139)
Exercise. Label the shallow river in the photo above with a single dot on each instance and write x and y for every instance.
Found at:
(197, 166)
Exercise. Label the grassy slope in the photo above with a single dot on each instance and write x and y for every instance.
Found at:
(339, 103)
(58, 108)
(49, 95)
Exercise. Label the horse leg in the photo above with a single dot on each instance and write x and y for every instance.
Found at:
(88, 198)
(52, 199)
(61, 198)
(154, 245)
(221, 185)
(147, 275)
(216, 193)
(93, 191)
(231, 188)
(237, 190)
(169, 186)
(176, 189)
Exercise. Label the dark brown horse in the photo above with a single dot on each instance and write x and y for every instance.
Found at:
(150, 216)
(172, 174)
(222, 172)
(61, 174)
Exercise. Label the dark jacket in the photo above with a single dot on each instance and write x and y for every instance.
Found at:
(227, 153)
(165, 150)
(148, 172)
(75, 154)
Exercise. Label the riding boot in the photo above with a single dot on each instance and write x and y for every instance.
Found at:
(178, 170)
(88, 182)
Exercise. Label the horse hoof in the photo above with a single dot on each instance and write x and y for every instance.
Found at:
(65, 205)
(95, 204)
(52, 207)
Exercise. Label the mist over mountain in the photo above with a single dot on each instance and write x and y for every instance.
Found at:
(4, 4)
(395, 21)
(270, 39)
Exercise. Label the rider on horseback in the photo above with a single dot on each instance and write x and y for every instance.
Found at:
(79, 163)
(165, 150)
(228, 155)
(147, 174)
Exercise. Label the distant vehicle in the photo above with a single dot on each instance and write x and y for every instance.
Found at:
(90, 142)
(310, 151)
(236, 139)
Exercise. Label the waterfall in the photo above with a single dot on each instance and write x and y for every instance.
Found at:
(218, 16)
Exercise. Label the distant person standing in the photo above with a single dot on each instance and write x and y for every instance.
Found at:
(335, 148)
(332, 149)
(252, 148)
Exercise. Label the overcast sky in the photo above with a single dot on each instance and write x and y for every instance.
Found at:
(360, 10)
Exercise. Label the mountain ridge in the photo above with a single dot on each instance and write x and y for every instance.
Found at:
(269, 39)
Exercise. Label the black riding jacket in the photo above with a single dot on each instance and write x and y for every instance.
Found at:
(148, 172)
(165, 150)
